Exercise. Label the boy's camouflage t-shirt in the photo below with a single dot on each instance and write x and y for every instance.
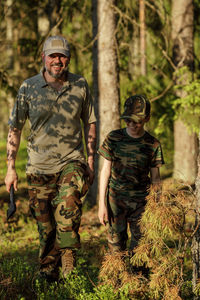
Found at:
(132, 159)
(55, 121)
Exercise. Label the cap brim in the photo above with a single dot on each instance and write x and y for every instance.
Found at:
(61, 51)
(135, 118)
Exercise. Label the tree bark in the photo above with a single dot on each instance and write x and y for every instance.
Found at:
(142, 38)
(185, 153)
(196, 239)
(105, 77)
(108, 78)
(92, 194)
(9, 51)
(185, 144)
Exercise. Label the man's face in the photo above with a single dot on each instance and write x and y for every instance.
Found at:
(56, 64)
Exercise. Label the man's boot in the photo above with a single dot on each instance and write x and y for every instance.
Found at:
(68, 261)
(49, 272)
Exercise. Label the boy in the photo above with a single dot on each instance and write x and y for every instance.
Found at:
(129, 155)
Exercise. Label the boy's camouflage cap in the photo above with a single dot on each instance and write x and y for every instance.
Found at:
(136, 108)
(56, 44)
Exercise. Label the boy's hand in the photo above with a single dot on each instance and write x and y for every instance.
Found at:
(156, 191)
(103, 215)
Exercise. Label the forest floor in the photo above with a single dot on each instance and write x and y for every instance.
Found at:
(94, 277)
(19, 263)
(19, 254)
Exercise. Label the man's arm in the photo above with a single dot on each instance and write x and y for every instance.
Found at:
(90, 139)
(13, 142)
(104, 178)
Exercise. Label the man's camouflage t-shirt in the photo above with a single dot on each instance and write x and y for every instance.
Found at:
(55, 121)
(132, 159)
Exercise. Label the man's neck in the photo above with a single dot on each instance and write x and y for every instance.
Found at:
(56, 83)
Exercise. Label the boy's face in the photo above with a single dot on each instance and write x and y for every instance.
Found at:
(136, 129)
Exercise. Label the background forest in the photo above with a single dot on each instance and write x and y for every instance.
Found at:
(148, 47)
(122, 48)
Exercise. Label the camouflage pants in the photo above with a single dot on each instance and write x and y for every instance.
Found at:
(123, 212)
(56, 204)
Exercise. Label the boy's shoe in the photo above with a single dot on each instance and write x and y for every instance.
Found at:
(68, 261)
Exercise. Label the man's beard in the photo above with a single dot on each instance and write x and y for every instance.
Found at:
(57, 76)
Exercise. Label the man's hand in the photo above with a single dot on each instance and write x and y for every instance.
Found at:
(11, 178)
(90, 139)
(90, 170)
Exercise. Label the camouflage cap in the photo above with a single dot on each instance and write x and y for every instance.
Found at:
(56, 44)
(136, 108)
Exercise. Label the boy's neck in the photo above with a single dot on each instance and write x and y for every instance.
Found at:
(135, 135)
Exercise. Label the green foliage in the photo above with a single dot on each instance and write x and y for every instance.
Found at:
(197, 290)
(77, 27)
(187, 107)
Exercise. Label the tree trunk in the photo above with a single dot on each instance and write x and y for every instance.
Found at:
(105, 77)
(196, 239)
(108, 77)
(9, 51)
(142, 38)
(185, 154)
(185, 144)
(92, 194)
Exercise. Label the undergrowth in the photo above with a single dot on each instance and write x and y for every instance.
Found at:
(160, 267)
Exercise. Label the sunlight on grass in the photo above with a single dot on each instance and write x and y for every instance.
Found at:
(15, 236)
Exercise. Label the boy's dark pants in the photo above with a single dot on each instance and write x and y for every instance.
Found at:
(121, 212)
(56, 204)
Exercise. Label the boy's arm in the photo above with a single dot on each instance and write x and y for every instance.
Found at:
(104, 178)
(13, 142)
(156, 181)
(155, 176)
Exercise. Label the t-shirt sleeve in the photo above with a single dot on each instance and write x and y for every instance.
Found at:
(20, 110)
(157, 159)
(106, 149)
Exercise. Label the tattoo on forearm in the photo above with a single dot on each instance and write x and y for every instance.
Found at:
(11, 154)
(13, 143)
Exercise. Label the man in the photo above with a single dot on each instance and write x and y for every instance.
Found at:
(56, 103)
